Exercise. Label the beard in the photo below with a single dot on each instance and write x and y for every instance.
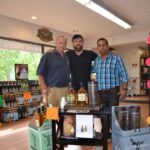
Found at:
(78, 48)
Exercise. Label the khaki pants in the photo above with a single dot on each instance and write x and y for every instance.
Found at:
(55, 94)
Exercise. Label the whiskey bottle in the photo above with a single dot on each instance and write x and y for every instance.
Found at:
(37, 118)
(82, 96)
(71, 95)
(42, 114)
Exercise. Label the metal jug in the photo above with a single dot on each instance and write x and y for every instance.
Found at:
(93, 95)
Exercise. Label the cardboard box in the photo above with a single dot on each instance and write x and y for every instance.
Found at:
(135, 139)
(41, 138)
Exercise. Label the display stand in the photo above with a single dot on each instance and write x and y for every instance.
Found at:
(98, 140)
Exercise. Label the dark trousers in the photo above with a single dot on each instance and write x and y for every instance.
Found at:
(108, 98)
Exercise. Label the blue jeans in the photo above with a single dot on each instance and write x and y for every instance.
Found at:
(109, 98)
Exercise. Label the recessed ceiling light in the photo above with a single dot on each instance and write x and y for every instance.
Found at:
(34, 17)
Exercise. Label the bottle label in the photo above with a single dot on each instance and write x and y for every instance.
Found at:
(37, 123)
(70, 98)
(82, 97)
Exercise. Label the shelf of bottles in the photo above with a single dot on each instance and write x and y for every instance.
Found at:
(14, 106)
(144, 75)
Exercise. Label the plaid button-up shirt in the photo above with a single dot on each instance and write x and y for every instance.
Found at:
(110, 72)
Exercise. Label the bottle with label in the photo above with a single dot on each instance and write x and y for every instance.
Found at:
(71, 95)
(37, 118)
(82, 96)
(42, 114)
(93, 74)
(45, 98)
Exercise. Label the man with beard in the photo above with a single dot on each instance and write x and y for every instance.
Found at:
(80, 62)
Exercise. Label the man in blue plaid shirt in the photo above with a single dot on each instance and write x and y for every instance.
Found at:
(111, 76)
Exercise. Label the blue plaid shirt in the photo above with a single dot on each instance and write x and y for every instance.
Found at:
(110, 72)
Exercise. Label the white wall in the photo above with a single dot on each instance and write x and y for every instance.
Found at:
(25, 31)
(122, 39)
(131, 56)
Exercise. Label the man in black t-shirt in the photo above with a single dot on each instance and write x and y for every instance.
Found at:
(80, 62)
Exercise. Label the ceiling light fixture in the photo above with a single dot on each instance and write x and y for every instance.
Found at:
(34, 17)
(105, 13)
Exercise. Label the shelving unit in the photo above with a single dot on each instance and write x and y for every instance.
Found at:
(144, 75)
(15, 106)
(98, 140)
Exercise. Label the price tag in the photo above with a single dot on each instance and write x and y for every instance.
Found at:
(148, 61)
(148, 120)
(52, 113)
(27, 95)
(148, 83)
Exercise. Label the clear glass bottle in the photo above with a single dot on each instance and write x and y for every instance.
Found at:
(71, 95)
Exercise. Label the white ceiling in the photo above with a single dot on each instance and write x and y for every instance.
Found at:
(68, 15)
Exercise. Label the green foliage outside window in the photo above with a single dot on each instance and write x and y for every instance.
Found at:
(10, 57)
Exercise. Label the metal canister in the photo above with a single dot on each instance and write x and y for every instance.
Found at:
(123, 118)
(134, 117)
(93, 95)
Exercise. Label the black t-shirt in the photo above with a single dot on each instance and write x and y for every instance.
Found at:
(80, 67)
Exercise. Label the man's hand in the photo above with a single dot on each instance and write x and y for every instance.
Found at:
(123, 94)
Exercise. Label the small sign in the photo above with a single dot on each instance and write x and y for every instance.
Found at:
(84, 129)
(52, 113)
(148, 61)
(148, 120)
(21, 71)
(27, 95)
(148, 83)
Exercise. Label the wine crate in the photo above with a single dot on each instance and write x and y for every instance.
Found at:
(129, 139)
(41, 138)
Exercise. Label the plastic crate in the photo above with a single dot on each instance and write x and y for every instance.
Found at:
(138, 139)
(41, 138)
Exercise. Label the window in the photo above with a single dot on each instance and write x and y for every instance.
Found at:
(10, 57)
(12, 52)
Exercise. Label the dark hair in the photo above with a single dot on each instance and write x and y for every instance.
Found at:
(111, 48)
(77, 36)
(102, 39)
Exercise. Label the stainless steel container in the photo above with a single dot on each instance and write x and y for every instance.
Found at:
(134, 117)
(94, 100)
(122, 115)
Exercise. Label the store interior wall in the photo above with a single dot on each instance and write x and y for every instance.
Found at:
(16, 29)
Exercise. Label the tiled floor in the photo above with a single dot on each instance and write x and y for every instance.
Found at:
(14, 136)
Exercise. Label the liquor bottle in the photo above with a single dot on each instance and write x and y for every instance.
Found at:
(82, 96)
(71, 95)
(45, 98)
(93, 74)
(37, 118)
(42, 114)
